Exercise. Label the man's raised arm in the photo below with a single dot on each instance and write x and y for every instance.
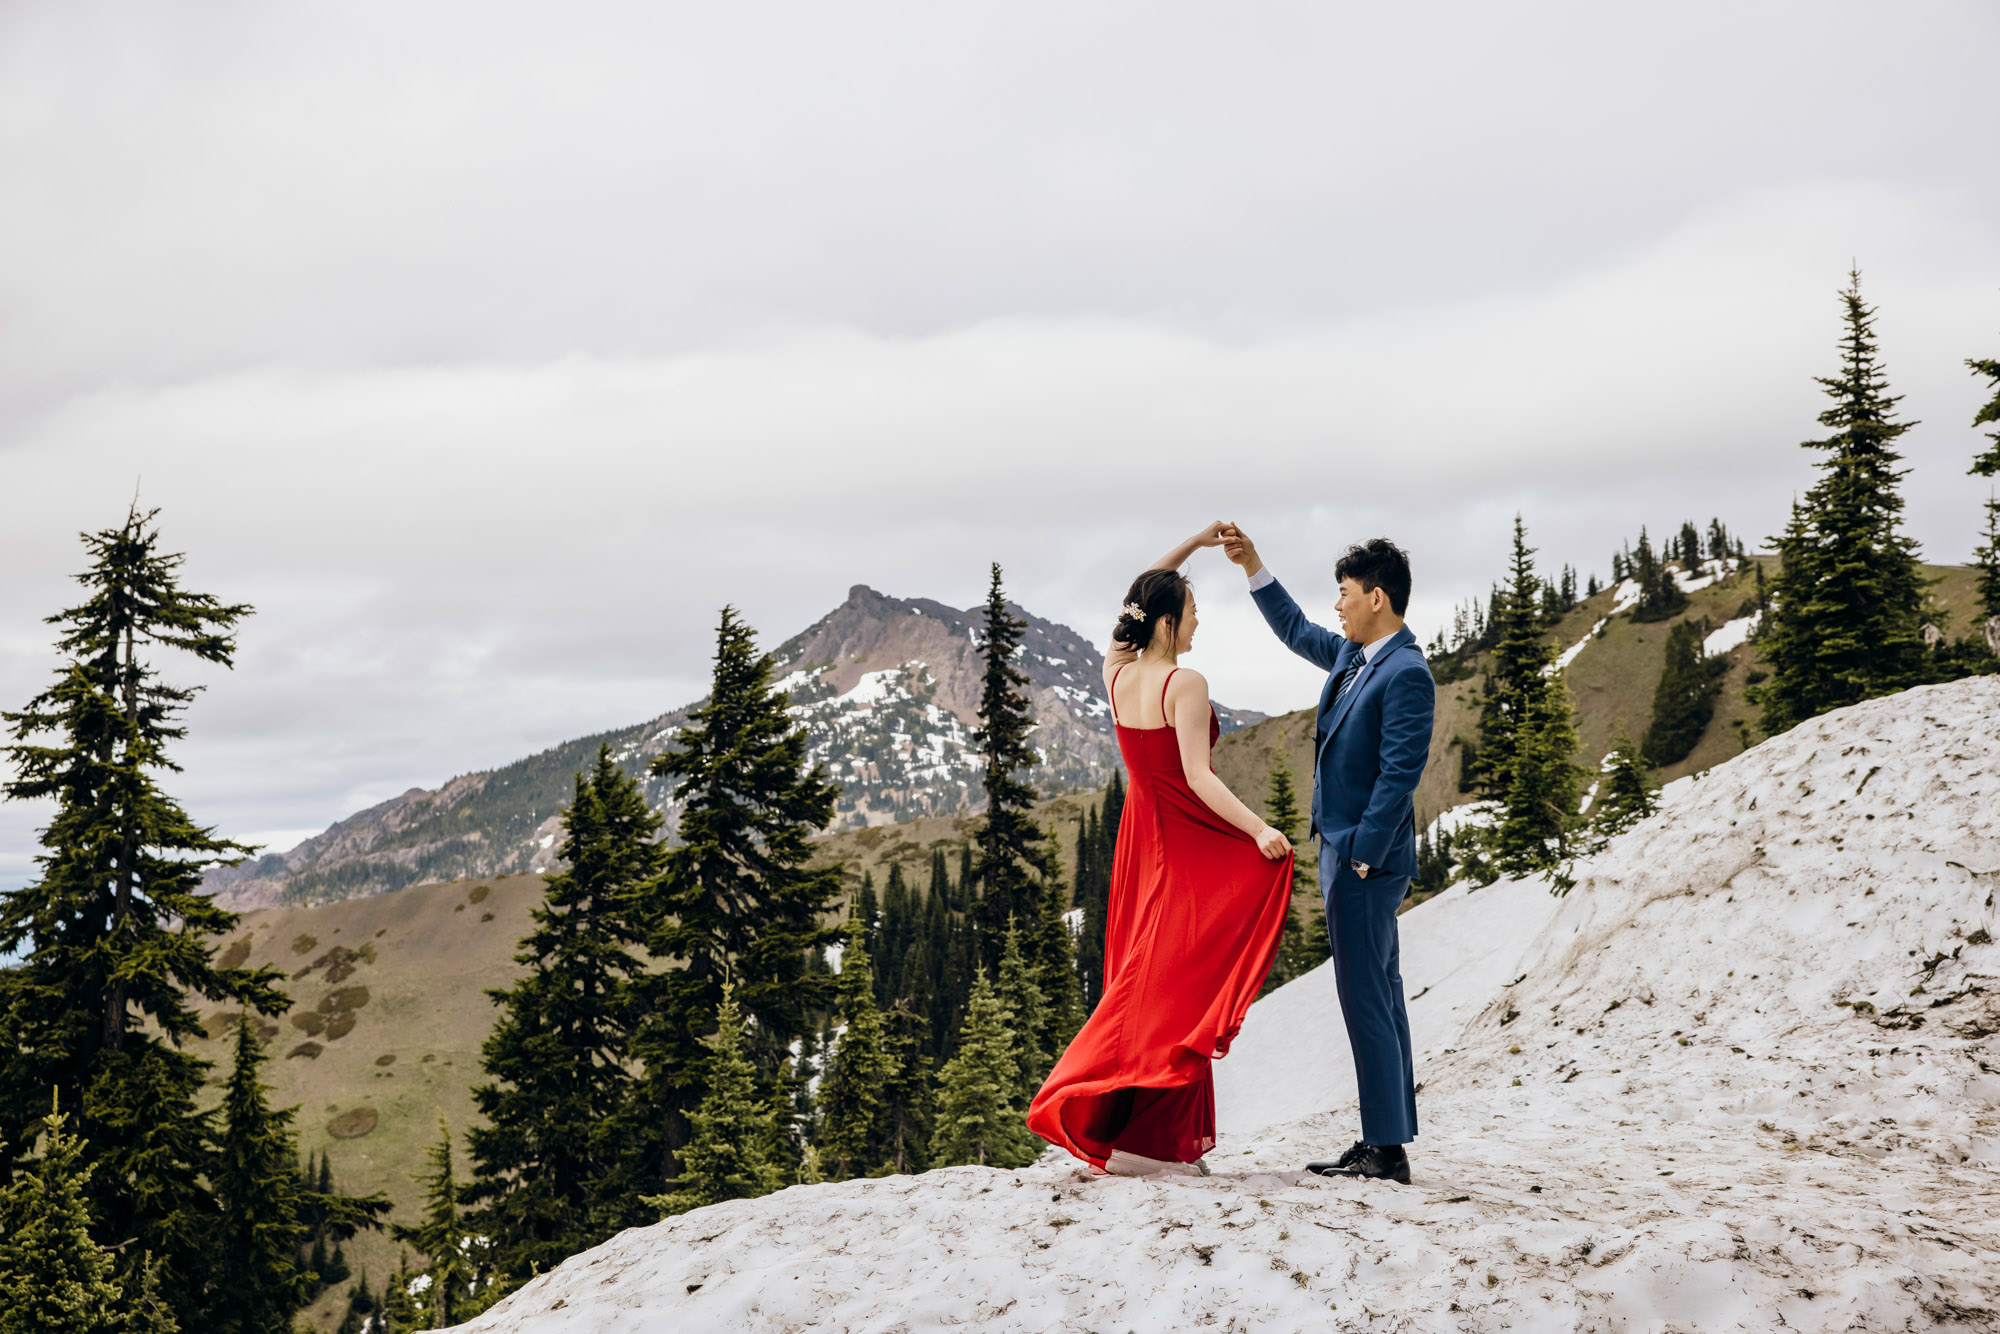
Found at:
(1315, 643)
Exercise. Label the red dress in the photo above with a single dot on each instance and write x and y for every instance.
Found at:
(1194, 920)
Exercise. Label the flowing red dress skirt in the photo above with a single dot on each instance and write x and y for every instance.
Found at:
(1193, 925)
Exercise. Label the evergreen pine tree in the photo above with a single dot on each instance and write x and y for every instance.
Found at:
(979, 1113)
(1013, 862)
(1089, 950)
(1684, 699)
(1055, 965)
(1519, 655)
(400, 1310)
(869, 909)
(1094, 894)
(1542, 795)
(144, 1303)
(1849, 592)
(458, 1272)
(1027, 1015)
(785, 1142)
(1295, 959)
(264, 1208)
(1690, 545)
(114, 938)
(737, 896)
(1987, 464)
(552, 1169)
(725, 1159)
(361, 1304)
(1624, 798)
(1434, 861)
(906, 1097)
(53, 1274)
(852, 1098)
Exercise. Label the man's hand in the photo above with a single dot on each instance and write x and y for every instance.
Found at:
(1237, 545)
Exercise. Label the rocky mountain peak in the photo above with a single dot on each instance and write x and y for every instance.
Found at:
(887, 689)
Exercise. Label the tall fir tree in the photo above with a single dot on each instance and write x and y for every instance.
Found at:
(400, 1310)
(737, 896)
(1528, 731)
(1849, 592)
(1093, 890)
(1543, 795)
(265, 1210)
(114, 938)
(853, 1097)
(1624, 797)
(1684, 699)
(1987, 464)
(1055, 965)
(1295, 949)
(1027, 1015)
(979, 1112)
(54, 1276)
(727, 1156)
(459, 1273)
(552, 1168)
(1013, 861)
(907, 1103)
(1520, 652)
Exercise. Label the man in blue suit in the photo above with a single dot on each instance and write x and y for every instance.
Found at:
(1370, 746)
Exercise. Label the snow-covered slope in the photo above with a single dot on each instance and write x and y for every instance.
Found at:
(1742, 1078)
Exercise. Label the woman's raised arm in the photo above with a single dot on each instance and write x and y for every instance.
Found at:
(1117, 655)
(1210, 536)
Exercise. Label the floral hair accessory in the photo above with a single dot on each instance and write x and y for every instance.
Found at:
(1133, 612)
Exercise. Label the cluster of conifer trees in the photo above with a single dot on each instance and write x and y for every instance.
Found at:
(1844, 619)
(1849, 601)
(124, 1206)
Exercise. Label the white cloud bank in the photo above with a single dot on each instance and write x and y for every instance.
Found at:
(489, 360)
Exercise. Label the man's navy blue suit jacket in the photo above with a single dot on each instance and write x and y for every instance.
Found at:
(1371, 746)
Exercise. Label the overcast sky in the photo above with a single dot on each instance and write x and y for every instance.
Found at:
(489, 348)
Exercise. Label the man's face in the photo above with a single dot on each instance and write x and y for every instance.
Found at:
(1360, 611)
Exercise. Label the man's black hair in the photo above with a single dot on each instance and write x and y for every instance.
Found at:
(1378, 563)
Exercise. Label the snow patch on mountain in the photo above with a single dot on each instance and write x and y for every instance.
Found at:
(1742, 1077)
(1731, 634)
(1568, 655)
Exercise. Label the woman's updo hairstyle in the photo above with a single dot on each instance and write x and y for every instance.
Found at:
(1154, 596)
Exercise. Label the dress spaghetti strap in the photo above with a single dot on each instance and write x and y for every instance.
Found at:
(1113, 692)
(1163, 697)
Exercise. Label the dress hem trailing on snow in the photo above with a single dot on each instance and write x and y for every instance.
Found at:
(1194, 919)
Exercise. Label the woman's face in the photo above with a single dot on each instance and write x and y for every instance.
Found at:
(1188, 622)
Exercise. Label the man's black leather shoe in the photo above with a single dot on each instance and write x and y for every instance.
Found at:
(1376, 1162)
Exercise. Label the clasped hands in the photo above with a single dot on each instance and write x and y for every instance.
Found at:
(1235, 544)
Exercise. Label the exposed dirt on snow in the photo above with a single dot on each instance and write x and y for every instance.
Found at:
(1742, 1078)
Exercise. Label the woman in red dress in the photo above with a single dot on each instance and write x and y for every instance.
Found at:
(1200, 886)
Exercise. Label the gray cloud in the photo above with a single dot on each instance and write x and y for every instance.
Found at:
(488, 356)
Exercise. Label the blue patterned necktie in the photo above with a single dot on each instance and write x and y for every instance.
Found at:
(1347, 677)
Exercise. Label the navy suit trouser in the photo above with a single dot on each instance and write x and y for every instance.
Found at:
(1367, 971)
